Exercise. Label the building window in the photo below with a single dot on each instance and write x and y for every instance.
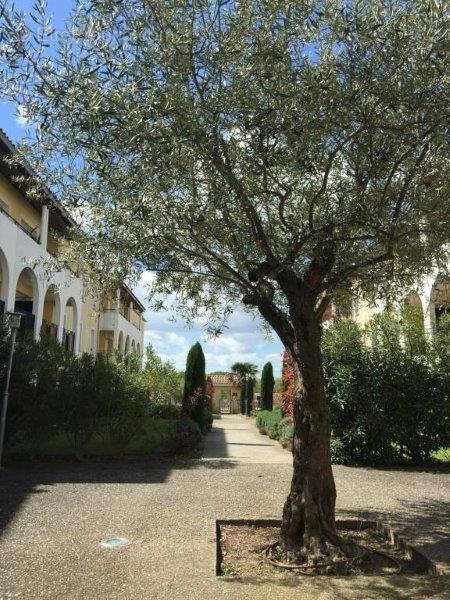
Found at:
(92, 342)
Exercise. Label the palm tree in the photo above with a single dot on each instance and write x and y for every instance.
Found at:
(244, 371)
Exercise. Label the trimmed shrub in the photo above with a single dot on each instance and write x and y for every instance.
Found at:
(388, 405)
(165, 411)
(267, 385)
(86, 404)
(207, 420)
(389, 402)
(268, 421)
(286, 432)
(36, 390)
(260, 421)
(185, 438)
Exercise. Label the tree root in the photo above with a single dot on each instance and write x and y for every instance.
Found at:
(398, 567)
(336, 566)
(306, 567)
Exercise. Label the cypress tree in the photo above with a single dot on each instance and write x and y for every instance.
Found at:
(267, 385)
(250, 387)
(195, 383)
(243, 397)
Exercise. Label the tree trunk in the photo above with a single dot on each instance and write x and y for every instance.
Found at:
(308, 526)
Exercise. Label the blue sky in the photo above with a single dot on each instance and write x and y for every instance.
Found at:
(243, 340)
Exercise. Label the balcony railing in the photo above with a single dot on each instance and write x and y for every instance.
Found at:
(35, 238)
(124, 312)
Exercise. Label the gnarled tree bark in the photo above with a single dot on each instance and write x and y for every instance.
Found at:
(308, 525)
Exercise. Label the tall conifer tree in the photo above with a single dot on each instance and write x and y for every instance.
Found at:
(195, 384)
(250, 387)
(267, 385)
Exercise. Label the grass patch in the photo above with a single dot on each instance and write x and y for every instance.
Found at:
(443, 455)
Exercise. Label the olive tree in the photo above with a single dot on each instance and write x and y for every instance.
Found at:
(279, 153)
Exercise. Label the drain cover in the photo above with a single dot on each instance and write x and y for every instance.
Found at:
(114, 542)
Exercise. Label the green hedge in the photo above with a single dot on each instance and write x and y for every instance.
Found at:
(81, 404)
(268, 421)
(389, 402)
(286, 433)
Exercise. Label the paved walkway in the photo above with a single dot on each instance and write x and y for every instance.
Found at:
(236, 438)
(53, 518)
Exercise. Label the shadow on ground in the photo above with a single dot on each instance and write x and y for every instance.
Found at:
(359, 587)
(19, 480)
(424, 523)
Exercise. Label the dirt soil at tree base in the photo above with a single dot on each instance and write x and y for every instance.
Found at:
(244, 554)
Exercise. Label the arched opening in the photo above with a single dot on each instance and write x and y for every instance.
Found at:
(26, 299)
(70, 325)
(127, 344)
(413, 323)
(138, 348)
(133, 346)
(120, 343)
(4, 282)
(440, 304)
(51, 313)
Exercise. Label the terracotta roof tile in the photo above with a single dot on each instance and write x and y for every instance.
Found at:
(224, 379)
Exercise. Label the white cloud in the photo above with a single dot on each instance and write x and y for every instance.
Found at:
(152, 337)
(175, 339)
(21, 118)
(147, 278)
(227, 342)
(242, 339)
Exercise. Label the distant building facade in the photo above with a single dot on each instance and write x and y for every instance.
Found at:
(227, 391)
(429, 299)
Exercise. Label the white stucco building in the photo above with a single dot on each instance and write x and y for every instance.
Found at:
(51, 300)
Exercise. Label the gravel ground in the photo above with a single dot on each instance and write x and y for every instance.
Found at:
(54, 516)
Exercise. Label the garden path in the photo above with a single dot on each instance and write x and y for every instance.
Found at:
(235, 437)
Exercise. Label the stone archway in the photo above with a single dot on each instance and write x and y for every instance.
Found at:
(26, 299)
(70, 325)
(120, 343)
(127, 344)
(51, 312)
(4, 281)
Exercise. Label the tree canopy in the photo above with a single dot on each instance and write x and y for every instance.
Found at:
(166, 382)
(236, 148)
(244, 370)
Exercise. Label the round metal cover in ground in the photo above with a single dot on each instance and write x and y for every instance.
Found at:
(114, 542)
